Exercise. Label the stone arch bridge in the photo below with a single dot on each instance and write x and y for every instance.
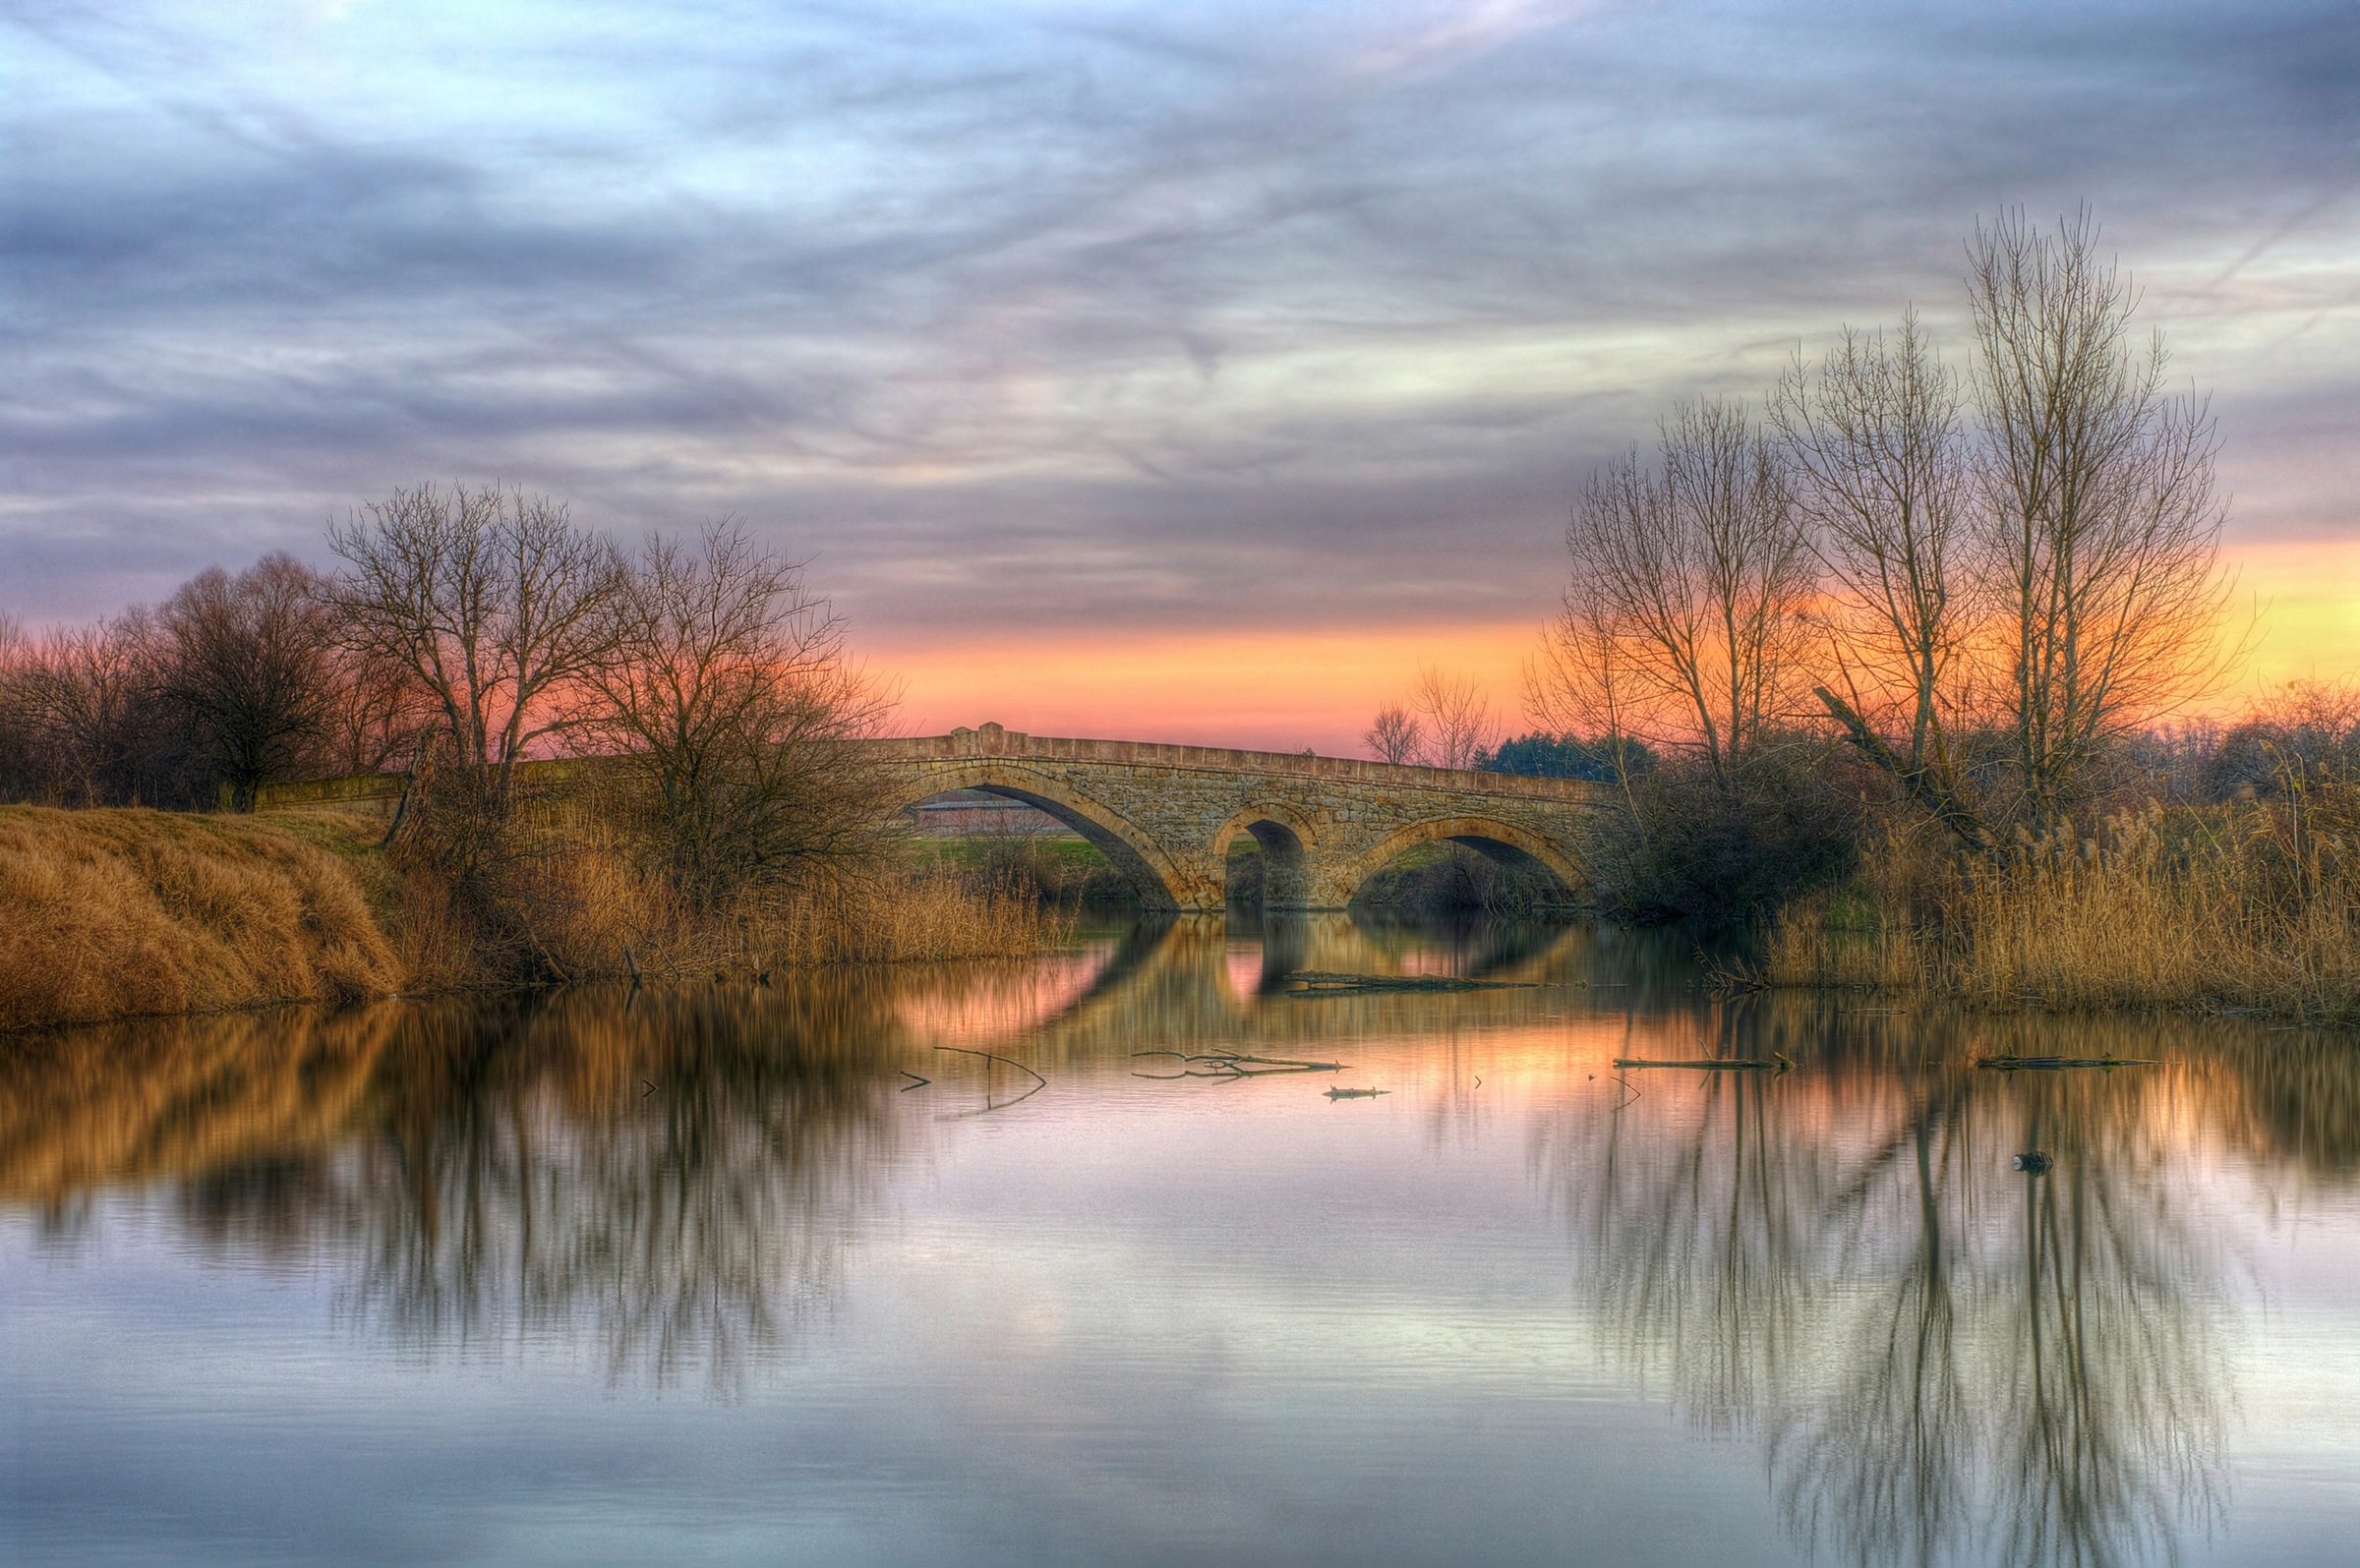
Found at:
(1165, 814)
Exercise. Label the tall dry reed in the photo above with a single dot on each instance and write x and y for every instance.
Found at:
(593, 911)
(2249, 906)
(116, 913)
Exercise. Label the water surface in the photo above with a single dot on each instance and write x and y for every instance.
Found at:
(709, 1275)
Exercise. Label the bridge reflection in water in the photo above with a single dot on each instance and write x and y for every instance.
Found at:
(1939, 1357)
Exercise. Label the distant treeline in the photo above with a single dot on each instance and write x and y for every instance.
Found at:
(231, 682)
(1545, 756)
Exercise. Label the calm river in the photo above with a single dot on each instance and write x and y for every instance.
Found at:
(709, 1275)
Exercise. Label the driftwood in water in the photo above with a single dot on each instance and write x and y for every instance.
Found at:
(989, 1056)
(1320, 982)
(1356, 1094)
(2051, 1063)
(1775, 1061)
(1234, 1065)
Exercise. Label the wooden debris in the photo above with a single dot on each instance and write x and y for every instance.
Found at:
(1775, 1061)
(1234, 1065)
(1322, 982)
(989, 1056)
(2051, 1063)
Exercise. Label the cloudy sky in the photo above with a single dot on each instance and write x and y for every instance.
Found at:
(1184, 370)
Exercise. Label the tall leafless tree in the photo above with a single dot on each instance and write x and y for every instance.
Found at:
(1690, 577)
(1879, 457)
(723, 682)
(493, 601)
(1395, 735)
(17, 769)
(246, 662)
(1456, 717)
(378, 714)
(2099, 516)
(81, 698)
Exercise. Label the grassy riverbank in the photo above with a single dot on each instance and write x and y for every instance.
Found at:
(128, 912)
(119, 912)
(2253, 906)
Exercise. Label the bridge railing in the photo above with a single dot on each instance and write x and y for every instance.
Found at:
(1013, 745)
(993, 742)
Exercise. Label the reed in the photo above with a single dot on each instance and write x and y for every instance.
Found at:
(115, 913)
(2249, 906)
(588, 911)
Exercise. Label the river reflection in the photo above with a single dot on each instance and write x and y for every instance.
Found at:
(1232, 1303)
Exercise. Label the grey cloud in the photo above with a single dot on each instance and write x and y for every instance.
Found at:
(966, 244)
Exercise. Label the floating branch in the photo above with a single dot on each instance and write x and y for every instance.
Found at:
(2051, 1063)
(1775, 1061)
(1230, 1065)
(1356, 1094)
(1232, 1058)
(918, 1082)
(991, 1055)
(1320, 982)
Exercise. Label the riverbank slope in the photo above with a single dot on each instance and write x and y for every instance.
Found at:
(119, 912)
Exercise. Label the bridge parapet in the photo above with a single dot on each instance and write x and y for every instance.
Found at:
(991, 740)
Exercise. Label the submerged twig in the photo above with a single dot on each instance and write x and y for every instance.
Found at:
(1775, 1061)
(1322, 982)
(993, 1056)
(2051, 1063)
(1232, 1065)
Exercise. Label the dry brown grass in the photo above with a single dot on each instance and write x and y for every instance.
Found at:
(2254, 907)
(597, 915)
(124, 913)
(118, 914)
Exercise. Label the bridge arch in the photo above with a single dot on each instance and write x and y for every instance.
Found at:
(1518, 849)
(1284, 836)
(1142, 861)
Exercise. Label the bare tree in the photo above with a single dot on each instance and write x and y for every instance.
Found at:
(1394, 735)
(2100, 514)
(1880, 473)
(1690, 579)
(247, 665)
(378, 713)
(17, 769)
(725, 683)
(1455, 716)
(1579, 683)
(81, 696)
(492, 600)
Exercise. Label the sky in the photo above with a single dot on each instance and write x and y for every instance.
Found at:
(1175, 370)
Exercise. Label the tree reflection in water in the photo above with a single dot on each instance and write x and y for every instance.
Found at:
(672, 1184)
(1949, 1359)
(1945, 1359)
